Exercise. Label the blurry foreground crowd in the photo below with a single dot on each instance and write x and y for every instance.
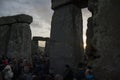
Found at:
(13, 69)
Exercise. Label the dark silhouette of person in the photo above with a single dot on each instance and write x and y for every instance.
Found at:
(80, 75)
(68, 73)
(89, 73)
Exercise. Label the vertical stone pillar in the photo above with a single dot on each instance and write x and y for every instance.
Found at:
(66, 43)
(34, 46)
(91, 46)
(47, 47)
(18, 38)
(4, 34)
(107, 40)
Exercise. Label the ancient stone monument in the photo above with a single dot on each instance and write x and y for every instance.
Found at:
(15, 36)
(106, 38)
(66, 43)
(35, 44)
(103, 41)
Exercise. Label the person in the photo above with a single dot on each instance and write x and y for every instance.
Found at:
(58, 77)
(68, 73)
(89, 74)
(26, 75)
(15, 68)
(8, 74)
(5, 61)
(80, 75)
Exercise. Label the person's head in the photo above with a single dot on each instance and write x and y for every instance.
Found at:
(88, 69)
(89, 73)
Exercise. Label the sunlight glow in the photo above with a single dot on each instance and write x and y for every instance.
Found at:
(86, 14)
(41, 43)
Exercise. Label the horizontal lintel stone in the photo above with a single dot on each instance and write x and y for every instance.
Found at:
(59, 3)
(21, 18)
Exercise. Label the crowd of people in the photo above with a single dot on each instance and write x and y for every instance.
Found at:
(22, 69)
(81, 73)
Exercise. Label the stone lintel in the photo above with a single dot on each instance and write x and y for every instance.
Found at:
(40, 38)
(24, 18)
(21, 18)
(58, 3)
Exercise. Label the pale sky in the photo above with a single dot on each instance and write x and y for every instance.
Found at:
(41, 12)
(86, 15)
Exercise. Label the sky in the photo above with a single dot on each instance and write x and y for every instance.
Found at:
(39, 9)
(41, 12)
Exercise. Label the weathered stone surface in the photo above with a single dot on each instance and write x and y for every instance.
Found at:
(22, 18)
(59, 3)
(66, 45)
(35, 44)
(15, 36)
(7, 20)
(20, 41)
(91, 49)
(107, 40)
(4, 35)
(40, 38)
(47, 46)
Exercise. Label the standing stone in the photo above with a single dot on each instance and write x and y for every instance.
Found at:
(34, 46)
(107, 40)
(15, 36)
(66, 43)
(20, 41)
(47, 46)
(91, 46)
(4, 35)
